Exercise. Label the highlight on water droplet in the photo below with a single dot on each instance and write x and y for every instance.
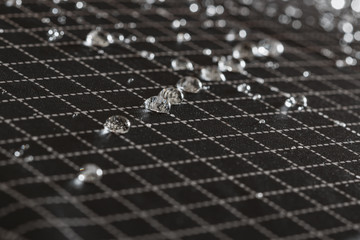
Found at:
(117, 124)
(20, 152)
(300, 101)
(90, 173)
(148, 55)
(157, 104)
(172, 95)
(257, 96)
(189, 84)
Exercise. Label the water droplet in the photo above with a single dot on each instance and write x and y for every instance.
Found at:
(13, 3)
(54, 34)
(150, 39)
(177, 23)
(231, 65)
(75, 115)
(45, 20)
(194, 7)
(117, 124)
(207, 51)
(257, 96)
(261, 121)
(130, 80)
(148, 124)
(212, 73)
(172, 95)
(181, 64)
(233, 35)
(98, 38)
(80, 5)
(90, 173)
(189, 84)
(148, 55)
(183, 37)
(62, 20)
(244, 88)
(306, 74)
(20, 152)
(270, 48)
(272, 65)
(245, 50)
(259, 195)
(341, 124)
(157, 104)
(299, 101)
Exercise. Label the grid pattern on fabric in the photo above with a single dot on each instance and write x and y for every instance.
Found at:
(208, 170)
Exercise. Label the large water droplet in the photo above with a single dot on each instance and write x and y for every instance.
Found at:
(157, 104)
(98, 38)
(54, 34)
(270, 47)
(244, 88)
(230, 64)
(245, 50)
(189, 84)
(90, 173)
(181, 64)
(172, 95)
(183, 37)
(212, 73)
(117, 124)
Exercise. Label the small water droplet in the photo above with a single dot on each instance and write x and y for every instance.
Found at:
(259, 195)
(207, 51)
(148, 55)
(130, 80)
(177, 23)
(212, 73)
(157, 104)
(75, 115)
(339, 123)
(261, 121)
(245, 50)
(272, 65)
(172, 95)
(62, 20)
(270, 48)
(80, 5)
(45, 20)
(306, 74)
(299, 101)
(150, 39)
(189, 84)
(183, 37)
(244, 88)
(98, 38)
(20, 152)
(148, 124)
(54, 34)
(13, 3)
(117, 124)
(90, 173)
(230, 64)
(234, 34)
(181, 64)
(257, 96)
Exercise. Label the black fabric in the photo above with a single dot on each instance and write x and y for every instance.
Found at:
(209, 170)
